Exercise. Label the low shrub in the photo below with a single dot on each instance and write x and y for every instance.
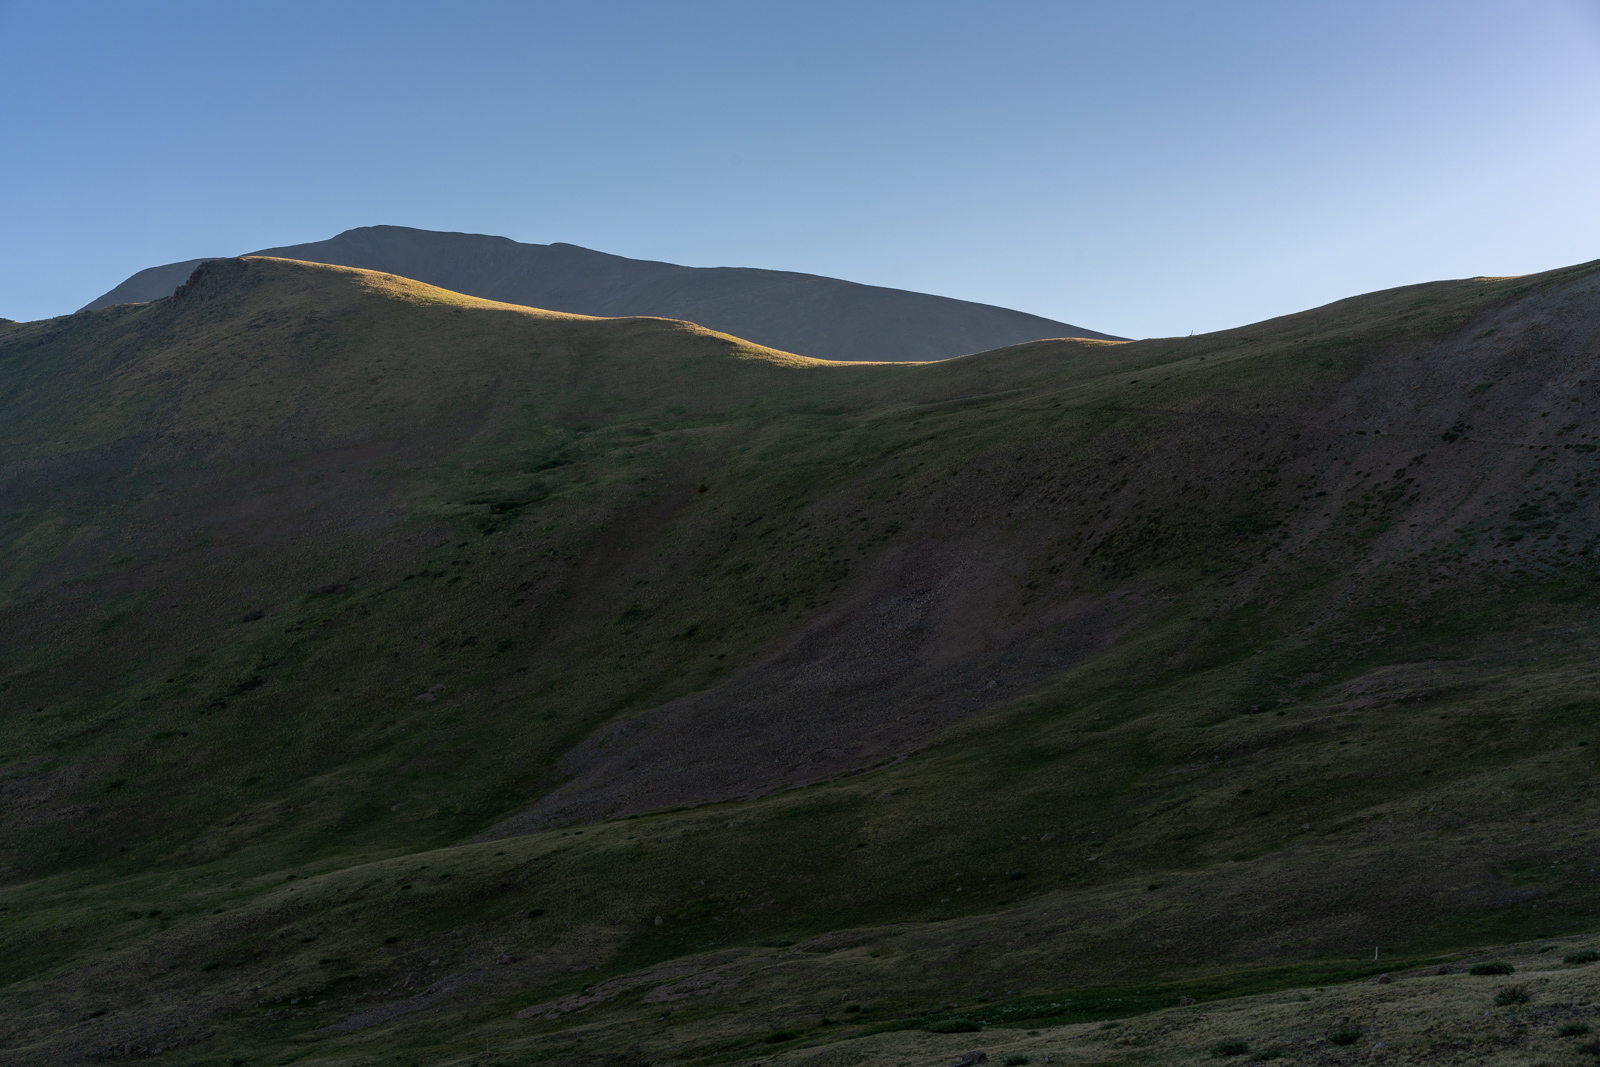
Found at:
(1267, 1053)
(1229, 1048)
(1588, 955)
(1493, 967)
(953, 1026)
(1016, 1061)
(1572, 1029)
(777, 1037)
(1512, 994)
(1345, 1035)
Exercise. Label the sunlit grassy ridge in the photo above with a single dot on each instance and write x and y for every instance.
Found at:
(321, 573)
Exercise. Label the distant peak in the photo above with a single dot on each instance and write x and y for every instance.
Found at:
(786, 310)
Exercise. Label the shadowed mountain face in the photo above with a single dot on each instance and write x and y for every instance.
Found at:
(387, 673)
(821, 317)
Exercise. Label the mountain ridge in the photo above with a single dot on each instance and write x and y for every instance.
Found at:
(817, 316)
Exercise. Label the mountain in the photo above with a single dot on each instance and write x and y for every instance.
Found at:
(822, 317)
(152, 283)
(389, 674)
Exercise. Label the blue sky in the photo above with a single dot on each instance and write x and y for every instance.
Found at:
(1143, 168)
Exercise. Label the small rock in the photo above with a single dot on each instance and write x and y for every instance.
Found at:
(1380, 1045)
(1443, 970)
(971, 1059)
(1185, 1001)
(1383, 979)
(507, 958)
(253, 615)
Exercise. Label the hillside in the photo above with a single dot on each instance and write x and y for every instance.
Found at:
(822, 317)
(392, 675)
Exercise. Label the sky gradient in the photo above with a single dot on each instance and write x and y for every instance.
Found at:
(1143, 168)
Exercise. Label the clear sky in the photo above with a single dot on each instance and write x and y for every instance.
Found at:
(1139, 167)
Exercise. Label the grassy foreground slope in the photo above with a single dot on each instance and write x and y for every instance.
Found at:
(391, 673)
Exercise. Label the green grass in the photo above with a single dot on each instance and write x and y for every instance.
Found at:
(1121, 1002)
(476, 534)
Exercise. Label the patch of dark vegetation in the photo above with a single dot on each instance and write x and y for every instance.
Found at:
(1345, 1035)
(245, 684)
(506, 503)
(953, 1026)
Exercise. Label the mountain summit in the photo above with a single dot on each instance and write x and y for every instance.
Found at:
(821, 317)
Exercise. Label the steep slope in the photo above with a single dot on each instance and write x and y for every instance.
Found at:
(822, 317)
(152, 283)
(388, 671)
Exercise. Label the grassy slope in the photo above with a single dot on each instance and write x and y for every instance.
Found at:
(1420, 1015)
(504, 509)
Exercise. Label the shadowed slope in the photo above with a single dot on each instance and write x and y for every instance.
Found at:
(823, 317)
(1210, 662)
